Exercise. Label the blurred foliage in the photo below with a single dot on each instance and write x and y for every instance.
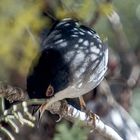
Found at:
(70, 133)
(105, 8)
(130, 21)
(80, 9)
(129, 15)
(18, 21)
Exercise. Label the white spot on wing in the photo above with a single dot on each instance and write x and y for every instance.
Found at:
(81, 33)
(82, 30)
(76, 45)
(79, 58)
(69, 55)
(58, 36)
(75, 29)
(82, 70)
(99, 40)
(53, 34)
(86, 43)
(77, 74)
(93, 57)
(90, 79)
(100, 46)
(90, 33)
(95, 49)
(80, 84)
(91, 43)
(61, 23)
(74, 35)
(59, 41)
(96, 36)
(63, 44)
(77, 24)
(66, 24)
(80, 40)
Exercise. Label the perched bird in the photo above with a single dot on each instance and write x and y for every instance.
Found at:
(73, 61)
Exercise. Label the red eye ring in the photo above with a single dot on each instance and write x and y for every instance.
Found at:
(50, 91)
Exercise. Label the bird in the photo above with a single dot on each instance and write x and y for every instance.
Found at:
(73, 61)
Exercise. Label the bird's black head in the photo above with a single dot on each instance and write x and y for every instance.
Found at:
(49, 70)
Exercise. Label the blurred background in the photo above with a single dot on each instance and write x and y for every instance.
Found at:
(23, 25)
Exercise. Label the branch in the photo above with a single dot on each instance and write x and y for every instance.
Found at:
(12, 93)
(88, 120)
(20, 112)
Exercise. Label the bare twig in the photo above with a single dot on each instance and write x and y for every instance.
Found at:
(89, 120)
(12, 93)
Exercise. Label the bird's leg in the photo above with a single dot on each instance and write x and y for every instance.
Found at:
(63, 104)
(82, 103)
(92, 116)
(83, 106)
(50, 91)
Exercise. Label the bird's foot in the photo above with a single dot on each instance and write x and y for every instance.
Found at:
(60, 118)
(92, 117)
(82, 104)
(63, 110)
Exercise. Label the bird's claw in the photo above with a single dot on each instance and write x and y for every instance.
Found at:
(94, 118)
(59, 119)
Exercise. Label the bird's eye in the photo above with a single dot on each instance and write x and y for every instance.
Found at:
(50, 91)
